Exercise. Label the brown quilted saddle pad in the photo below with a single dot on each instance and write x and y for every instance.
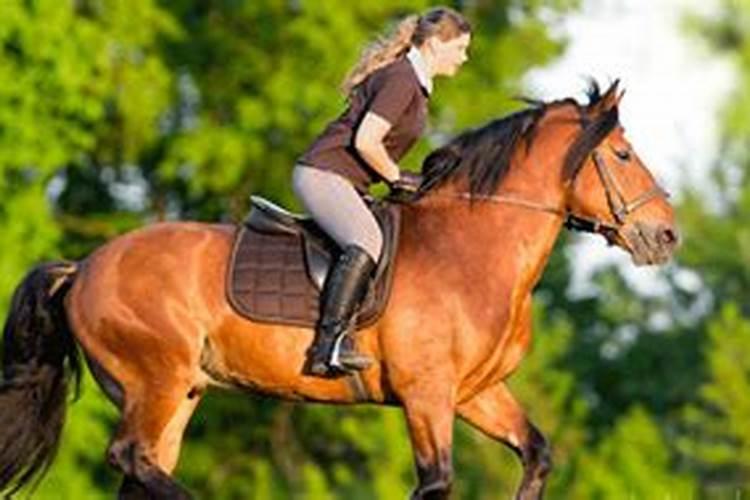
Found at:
(280, 261)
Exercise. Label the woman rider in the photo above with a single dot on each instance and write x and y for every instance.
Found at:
(387, 108)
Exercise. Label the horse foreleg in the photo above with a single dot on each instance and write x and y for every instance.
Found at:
(496, 412)
(430, 423)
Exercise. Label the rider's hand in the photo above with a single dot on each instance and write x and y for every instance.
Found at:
(408, 182)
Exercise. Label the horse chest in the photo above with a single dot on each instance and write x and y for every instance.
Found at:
(501, 348)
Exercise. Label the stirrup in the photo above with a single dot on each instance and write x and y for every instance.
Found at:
(349, 360)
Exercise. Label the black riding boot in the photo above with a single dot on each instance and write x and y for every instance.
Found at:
(343, 291)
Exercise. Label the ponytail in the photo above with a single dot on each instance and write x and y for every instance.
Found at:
(381, 52)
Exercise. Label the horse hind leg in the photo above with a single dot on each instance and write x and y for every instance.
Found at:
(146, 446)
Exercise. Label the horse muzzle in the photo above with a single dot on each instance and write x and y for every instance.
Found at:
(650, 244)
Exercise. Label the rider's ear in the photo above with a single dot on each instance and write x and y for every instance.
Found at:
(431, 43)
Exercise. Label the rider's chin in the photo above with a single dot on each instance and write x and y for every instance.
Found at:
(650, 244)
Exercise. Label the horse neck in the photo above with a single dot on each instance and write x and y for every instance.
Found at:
(493, 248)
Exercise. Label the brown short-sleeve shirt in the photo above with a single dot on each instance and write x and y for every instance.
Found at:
(393, 93)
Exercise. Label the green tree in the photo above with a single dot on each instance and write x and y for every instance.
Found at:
(716, 435)
(712, 423)
(632, 462)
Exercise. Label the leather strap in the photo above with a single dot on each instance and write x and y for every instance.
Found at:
(619, 207)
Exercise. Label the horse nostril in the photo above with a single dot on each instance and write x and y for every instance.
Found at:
(668, 236)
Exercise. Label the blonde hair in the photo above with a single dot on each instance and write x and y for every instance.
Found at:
(443, 22)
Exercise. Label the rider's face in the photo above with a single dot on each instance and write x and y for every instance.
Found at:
(450, 55)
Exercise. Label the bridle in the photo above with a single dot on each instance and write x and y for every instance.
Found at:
(619, 207)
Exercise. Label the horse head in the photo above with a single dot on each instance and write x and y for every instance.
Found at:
(610, 191)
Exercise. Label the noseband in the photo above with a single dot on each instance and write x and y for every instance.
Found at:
(619, 207)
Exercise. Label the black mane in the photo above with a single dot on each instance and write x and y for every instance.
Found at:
(484, 154)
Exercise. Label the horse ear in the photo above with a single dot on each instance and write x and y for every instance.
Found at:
(619, 97)
(608, 101)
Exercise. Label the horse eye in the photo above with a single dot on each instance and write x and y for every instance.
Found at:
(622, 154)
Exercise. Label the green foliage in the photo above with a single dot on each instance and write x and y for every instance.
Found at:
(717, 240)
(632, 462)
(712, 424)
(79, 85)
(717, 437)
(295, 449)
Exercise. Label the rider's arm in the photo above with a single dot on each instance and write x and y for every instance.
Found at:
(387, 107)
(369, 144)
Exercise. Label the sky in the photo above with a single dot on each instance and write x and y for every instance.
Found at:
(674, 90)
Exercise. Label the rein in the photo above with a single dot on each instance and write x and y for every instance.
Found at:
(512, 200)
(619, 207)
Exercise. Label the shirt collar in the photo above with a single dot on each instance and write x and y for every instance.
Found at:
(420, 68)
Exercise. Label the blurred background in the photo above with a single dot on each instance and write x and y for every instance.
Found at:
(119, 113)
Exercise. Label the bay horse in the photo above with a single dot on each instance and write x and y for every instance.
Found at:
(150, 314)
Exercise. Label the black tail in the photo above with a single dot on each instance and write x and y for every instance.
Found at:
(39, 358)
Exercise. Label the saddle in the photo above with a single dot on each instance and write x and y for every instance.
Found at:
(280, 261)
